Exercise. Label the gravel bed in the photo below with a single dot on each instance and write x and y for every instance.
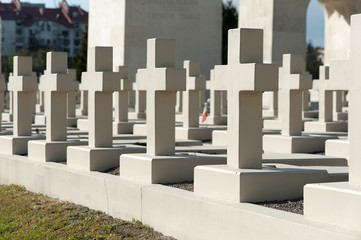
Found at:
(188, 186)
(293, 206)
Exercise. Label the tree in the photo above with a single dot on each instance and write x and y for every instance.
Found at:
(39, 60)
(80, 61)
(230, 21)
(312, 62)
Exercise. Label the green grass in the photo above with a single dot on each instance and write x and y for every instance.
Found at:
(25, 215)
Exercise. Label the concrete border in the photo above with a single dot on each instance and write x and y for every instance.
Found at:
(174, 212)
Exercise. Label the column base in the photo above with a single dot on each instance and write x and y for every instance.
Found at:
(134, 115)
(340, 116)
(201, 134)
(140, 129)
(322, 127)
(310, 114)
(338, 148)
(216, 120)
(16, 145)
(97, 159)
(294, 144)
(123, 127)
(39, 108)
(43, 151)
(248, 185)
(81, 112)
(72, 122)
(8, 117)
(179, 117)
(334, 203)
(40, 119)
(83, 124)
(163, 169)
(269, 113)
(272, 124)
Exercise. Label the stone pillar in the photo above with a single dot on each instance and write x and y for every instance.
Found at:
(195, 83)
(292, 84)
(23, 95)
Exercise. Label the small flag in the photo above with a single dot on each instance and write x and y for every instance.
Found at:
(205, 113)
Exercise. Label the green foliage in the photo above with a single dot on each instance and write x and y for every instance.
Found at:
(80, 61)
(230, 21)
(25, 215)
(39, 60)
(312, 63)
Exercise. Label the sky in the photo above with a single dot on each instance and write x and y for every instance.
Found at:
(315, 18)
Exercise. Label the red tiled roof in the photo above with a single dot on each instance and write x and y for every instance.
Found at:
(64, 14)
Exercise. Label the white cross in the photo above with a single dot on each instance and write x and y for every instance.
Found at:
(161, 80)
(245, 78)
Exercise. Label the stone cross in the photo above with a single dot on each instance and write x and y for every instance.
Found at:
(122, 95)
(292, 82)
(195, 82)
(55, 83)
(349, 71)
(101, 82)
(71, 99)
(245, 78)
(215, 97)
(23, 83)
(324, 95)
(161, 80)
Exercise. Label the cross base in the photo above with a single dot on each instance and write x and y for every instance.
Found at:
(248, 185)
(8, 117)
(81, 112)
(16, 145)
(83, 124)
(310, 114)
(163, 169)
(123, 127)
(137, 115)
(340, 116)
(294, 144)
(323, 127)
(338, 148)
(72, 122)
(269, 112)
(50, 151)
(40, 119)
(216, 120)
(97, 159)
(334, 203)
(201, 134)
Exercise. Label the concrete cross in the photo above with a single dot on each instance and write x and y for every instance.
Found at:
(195, 83)
(161, 80)
(353, 73)
(22, 83)
(215, 97)
(101, 82)
(324, 95)
(245, 78)
(292, 82)
(55, 83)
(71, 99)
(121, 96)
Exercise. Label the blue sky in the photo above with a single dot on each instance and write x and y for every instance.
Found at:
(315, 19)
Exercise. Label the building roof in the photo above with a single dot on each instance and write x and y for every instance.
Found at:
(29, 13)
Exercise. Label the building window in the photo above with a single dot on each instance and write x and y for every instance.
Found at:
(76, 42)
(48, 26)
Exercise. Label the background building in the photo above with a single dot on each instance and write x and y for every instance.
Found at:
(33, 26)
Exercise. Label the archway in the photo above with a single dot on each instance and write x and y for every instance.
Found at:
(284, 24)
